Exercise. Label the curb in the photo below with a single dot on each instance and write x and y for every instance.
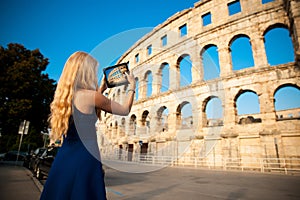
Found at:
(36, 182)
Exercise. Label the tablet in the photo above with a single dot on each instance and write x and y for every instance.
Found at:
(115, 75)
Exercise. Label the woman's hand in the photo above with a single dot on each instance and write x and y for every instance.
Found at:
(131, 80)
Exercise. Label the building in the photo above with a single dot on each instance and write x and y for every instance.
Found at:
(170, 115)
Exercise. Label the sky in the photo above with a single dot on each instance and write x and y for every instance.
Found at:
(58, 28)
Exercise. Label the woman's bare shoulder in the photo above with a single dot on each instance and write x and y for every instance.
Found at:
(84, 100)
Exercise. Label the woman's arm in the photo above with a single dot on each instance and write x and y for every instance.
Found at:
(107, 105)
(103, 86)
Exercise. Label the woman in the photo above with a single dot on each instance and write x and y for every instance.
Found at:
(76, 172)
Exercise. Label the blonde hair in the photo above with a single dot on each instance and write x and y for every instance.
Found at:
(80, 72)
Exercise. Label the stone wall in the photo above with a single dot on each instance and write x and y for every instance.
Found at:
(264, 134)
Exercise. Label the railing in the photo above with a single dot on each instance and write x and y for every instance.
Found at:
(282, 165)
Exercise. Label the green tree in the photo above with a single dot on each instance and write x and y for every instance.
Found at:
(25, 94)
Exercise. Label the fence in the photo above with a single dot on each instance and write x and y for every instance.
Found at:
(282, 165)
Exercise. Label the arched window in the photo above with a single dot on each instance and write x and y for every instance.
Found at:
(165, 81)
(287, 97)
(132, 125)
(184, 115)
(119, 95)
(148, 78)
(210, 62)
(287, 102)
(162, 119)
(185, 70)
(241, 53)
(248, 107)
(279, 46)
(145, 122)
(214, 112)
(115, 130)
(122, 127)
(247, 103)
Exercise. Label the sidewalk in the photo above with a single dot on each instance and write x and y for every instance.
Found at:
(17, 183)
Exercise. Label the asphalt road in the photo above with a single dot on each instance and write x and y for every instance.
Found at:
(17, 183)
(189, 184)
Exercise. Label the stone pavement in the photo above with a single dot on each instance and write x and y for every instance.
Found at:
(17, 183)
(170, 183)
(175, 183)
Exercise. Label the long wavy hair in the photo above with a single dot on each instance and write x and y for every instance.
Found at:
(80, 72)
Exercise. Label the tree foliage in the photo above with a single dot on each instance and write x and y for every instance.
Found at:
(25, 94)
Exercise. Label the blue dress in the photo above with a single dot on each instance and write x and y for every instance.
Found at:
(76, 173)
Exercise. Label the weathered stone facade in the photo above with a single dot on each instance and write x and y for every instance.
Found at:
(268, 134)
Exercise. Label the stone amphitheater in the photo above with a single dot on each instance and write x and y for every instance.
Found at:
(173, 75)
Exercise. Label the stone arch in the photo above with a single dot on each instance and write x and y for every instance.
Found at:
(162, 119)
(184, 120)
(136, 88)
(244, 115)
(145, 122)
(115, 129)
(148, 83)
(278, 44)
(240, 93)
(164, 77)
(123, 121)
(241, 52)
(132, 124)
(122, 127)
(125, 88)
(184, 68)
(119, 94)
(110, 132)
(210, 62)
(287, 101)
(212, 111)
(145, 115)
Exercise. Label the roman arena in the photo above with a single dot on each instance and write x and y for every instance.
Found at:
(192, 83)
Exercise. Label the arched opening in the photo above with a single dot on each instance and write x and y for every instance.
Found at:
(115, 130)
(148, 79)
(162, 119)
(213, 111)
(247, 107)
(185, 69)
(136, 88)
(184, 116)
(132, 125)
(287, 102)
(241, 52)
(110, 131)
(119, 95)
(278, 45)
(145, 129)
(210, 62)
(122, 127)
(164, 77)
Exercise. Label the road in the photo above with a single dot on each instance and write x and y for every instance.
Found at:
(171, 183)
(182, 183)
(17, 183)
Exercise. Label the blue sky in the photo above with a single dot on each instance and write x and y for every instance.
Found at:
(60, 27)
